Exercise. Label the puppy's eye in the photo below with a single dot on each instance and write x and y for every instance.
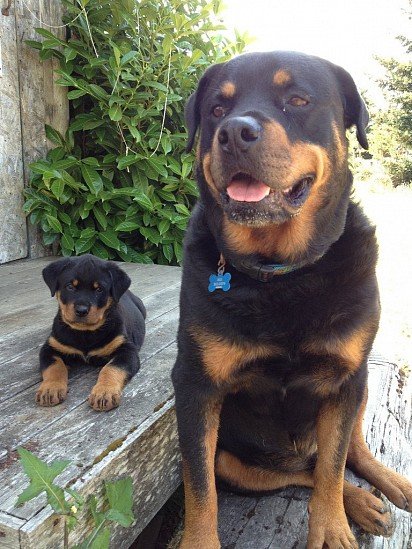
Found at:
(297, 101)
(99, 289)
(69, 286)
(219, 111)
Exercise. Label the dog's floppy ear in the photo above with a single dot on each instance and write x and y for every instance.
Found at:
(52, 272)
(120, 280)
(353, 104)
(192, 109)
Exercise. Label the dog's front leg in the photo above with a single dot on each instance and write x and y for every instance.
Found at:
(198, 412)
(124, 363)
(327, 522)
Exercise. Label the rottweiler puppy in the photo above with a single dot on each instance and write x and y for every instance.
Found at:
(99, 321)
(279, 299)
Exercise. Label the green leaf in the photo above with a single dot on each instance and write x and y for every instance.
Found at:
(144, 201)
(100, 251)
(98, 539)
(109, 238)
(128, 56)
(116, 516)
(168, 251)
(91, 161)
(158, 165)
(164, 226)
(54, 223)
(57, 187)
(67, 242)
(54, 136)
(181, 208)
(120, 497)
(178, 251)
(115, 113)
(75, 94)
(83, 245)
(127, 160)
(127, 226)
(100, 216)
(41, 478)
(92, 179)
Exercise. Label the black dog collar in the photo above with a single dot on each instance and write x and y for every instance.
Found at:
(264, 272)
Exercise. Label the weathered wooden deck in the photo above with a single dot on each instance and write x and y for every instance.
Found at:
(139, 438)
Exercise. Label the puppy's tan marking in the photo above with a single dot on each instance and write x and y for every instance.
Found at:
(53, 389)
(223, 358)
(282, 77)
(106, 394)
(110, 348)
(94, 319)
(65, 349)
(228, 89)
(75, 282)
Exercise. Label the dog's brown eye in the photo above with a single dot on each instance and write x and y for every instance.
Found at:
(297, 101)
(99, 289)
(219, 111)
(69, 286)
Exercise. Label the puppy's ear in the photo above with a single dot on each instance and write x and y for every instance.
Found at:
(193, 105)
(120, 281)
(52, 272)
(354, 107)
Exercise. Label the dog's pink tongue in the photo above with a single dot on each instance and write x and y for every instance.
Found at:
(244, 190)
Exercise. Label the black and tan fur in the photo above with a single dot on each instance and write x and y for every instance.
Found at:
(271, 377)
(99, 321)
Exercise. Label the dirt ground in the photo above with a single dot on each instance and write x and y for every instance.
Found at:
(391, 210)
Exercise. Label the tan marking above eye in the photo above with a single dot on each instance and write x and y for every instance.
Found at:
(281, 77)
(75, 282)
(228, 89)
(297, 101)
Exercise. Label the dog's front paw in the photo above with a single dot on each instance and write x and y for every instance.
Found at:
(103, 398)
(329, 526)
(51, 393)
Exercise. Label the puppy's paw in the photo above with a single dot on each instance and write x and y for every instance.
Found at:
(103, 398)
(397, 489)
(328, 526)
(368, 511)
(51, 393)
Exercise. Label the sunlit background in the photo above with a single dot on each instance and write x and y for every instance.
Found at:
(350, 32)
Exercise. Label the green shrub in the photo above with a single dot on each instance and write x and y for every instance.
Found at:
(118, 183)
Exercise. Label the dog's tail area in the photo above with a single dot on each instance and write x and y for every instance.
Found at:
(139, 304)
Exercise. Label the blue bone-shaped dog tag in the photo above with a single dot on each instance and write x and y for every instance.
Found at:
(219, 282)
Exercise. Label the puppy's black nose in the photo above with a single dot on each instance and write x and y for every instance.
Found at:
(239, 132)
(81, 310)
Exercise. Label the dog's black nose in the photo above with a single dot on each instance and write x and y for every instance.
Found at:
(81, 310)
(239, 132)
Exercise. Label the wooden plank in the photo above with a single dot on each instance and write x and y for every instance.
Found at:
(9, 531)
(13, 237)
(281, 520)
(42, 102)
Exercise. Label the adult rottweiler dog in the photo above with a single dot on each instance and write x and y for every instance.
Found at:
(271, 373)
(99, 321)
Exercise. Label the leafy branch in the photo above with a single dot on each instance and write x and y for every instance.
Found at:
(116, 505)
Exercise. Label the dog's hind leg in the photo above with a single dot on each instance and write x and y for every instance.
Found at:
(363, 507)
(360, 459)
